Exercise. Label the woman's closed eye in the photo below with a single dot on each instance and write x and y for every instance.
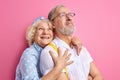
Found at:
(50, 29)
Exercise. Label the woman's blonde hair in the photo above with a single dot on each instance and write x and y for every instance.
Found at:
(31, 30)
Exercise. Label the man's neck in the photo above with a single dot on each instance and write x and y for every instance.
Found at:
(67, 39)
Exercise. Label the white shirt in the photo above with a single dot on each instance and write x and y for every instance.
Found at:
(78, 70)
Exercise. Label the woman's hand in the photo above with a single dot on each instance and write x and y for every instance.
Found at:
(61, 61)
(77, 42)
(90, 77)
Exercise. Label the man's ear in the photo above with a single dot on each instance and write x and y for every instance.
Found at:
(53, 24)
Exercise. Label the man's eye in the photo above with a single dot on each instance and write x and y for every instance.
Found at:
(63, 14)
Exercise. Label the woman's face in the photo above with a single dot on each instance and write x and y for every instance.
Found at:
(44, 34)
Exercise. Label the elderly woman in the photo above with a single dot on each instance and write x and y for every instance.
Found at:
(38, 35)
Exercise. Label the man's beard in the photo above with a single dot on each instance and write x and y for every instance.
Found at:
(68, 31)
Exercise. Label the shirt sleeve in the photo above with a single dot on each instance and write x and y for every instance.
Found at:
(87, 55)
(46, 62)
(28, 67)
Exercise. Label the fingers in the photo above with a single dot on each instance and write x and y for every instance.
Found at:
(67, 57)
(66, 53)
(78, 48)
(62, 60)
(59, 52)
(78, 53)
(68, 63)
(89, 77)
(52, 55)
(77, 42)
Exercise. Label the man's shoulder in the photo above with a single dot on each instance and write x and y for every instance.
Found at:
(47, 48)
(53, 43)
(50, 47)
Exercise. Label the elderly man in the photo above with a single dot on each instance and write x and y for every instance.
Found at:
(83, 65)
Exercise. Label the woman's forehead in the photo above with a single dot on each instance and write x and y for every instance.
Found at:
(45, 24)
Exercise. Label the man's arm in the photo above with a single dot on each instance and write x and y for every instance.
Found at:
(53, 74)
(94, 72)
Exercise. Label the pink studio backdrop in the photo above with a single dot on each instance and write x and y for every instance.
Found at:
(97, 24)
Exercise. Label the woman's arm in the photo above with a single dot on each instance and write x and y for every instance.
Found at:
(61, 61)
(76, 42)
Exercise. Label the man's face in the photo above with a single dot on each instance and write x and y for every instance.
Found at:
(63, 21)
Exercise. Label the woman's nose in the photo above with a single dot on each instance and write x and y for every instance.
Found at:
(45, 31)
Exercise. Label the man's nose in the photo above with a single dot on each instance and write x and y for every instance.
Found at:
(68, 18)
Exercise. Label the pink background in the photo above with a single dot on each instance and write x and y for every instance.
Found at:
(97, 24)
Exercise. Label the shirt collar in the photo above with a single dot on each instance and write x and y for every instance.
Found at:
(37, 47)
(62, 43)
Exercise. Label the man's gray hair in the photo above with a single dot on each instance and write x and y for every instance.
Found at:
(51, 14)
